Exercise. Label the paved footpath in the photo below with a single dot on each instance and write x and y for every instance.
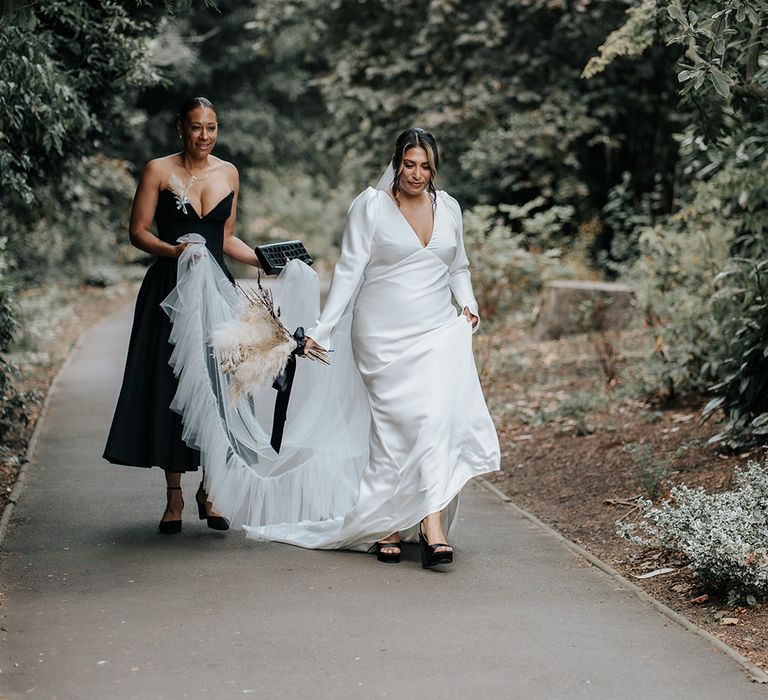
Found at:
(98, 605)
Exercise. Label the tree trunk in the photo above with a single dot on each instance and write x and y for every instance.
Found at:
(568, 307)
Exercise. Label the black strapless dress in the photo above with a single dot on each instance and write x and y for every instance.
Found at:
(145, 432)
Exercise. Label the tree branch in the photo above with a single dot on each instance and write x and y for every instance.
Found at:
(753, 50)
(757, 92)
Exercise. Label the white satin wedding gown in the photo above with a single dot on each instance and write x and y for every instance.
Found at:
(360, 459)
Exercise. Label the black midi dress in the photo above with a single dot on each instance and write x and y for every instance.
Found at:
(145, 431)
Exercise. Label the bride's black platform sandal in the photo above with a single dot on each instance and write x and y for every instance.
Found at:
(171, 527)
(215, 522)
(430, 556)
(387, 557)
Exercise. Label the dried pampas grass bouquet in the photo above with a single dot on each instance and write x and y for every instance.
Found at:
(255, 348)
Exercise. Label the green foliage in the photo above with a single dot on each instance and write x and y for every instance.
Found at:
(672, 277)
(533, 155)
(7, 323)
(499, 84)
(506, 270)
(651, 472)
(13, 414)
(740, 359)
(722, 534)
(79, 225)
(69, 69)
(630, 40)
(626, 215)
(288, 204)
(722, 43)
(700, 274)
(724, 53)
(700, 279)
(65, 72)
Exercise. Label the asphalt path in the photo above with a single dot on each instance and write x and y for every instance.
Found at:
(97, 604)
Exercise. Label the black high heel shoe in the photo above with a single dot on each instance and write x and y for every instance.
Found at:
(215, 522)
(387, 557)
(171, 527)
(429, 555)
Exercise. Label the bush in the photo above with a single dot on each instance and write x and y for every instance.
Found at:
(507, 270)
(289, 204)
(740, 359)
(673, 282)
(722, 534)
(67, 67)
(624, 216)
(13, 409)
(650, 472)
(701, 281)
(80, 226)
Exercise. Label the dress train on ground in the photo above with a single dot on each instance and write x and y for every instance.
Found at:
(387, 434)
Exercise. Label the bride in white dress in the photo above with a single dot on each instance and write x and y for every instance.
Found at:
(362, 464)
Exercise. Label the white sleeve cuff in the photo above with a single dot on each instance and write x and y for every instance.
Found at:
(321, 334)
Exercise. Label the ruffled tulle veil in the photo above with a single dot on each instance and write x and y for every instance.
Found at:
(325, 444)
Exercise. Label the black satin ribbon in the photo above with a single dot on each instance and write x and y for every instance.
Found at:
(284, 383)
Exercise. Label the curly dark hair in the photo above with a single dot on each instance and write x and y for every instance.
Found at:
(415, 138)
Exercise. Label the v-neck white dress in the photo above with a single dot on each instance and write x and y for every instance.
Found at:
(430, 430)
(387, 434)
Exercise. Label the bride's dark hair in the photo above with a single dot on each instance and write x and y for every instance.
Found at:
(188, 106)
(415, 138)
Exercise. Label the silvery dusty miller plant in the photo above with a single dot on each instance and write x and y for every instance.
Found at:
(724, 535)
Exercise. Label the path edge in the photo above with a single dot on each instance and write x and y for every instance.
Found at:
(22, 478)
(756, 674)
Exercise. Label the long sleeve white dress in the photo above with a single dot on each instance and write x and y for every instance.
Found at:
(428, 430)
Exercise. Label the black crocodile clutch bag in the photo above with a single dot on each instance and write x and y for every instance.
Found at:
(274, 256)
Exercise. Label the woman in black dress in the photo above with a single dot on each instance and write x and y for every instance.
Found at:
(188, 192)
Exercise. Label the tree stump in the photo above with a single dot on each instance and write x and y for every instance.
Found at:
(568, 307)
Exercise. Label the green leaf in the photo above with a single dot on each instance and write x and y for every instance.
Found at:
(722, 275)
(719, 46)
(721, 82)
(677, 14)
(713, 405)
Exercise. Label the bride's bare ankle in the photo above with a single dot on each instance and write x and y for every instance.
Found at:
(432, 530)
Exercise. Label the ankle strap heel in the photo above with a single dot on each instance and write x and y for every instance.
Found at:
(215, 522)
(171, 527)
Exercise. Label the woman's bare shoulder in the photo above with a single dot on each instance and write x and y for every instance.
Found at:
(169, 161)
(223, 165)
(161, 168)
(227, 169)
